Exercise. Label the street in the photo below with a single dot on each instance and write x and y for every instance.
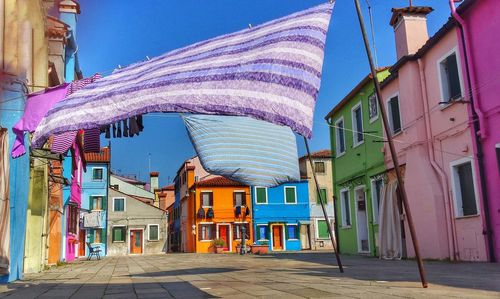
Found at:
(285, 275)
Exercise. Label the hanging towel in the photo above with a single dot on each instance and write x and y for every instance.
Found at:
(247, 211)
(125, 128)
(4, 202)
(119, 129)
(252, 152)
(107, 132)
(92, 140)
(390, 246)
(270, 72)
(133, 127)
(210, 213)
(201, 213)
(237, 211)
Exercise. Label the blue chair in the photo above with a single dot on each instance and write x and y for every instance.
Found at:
(93, 251)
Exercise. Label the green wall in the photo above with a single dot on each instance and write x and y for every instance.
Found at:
(356, 166)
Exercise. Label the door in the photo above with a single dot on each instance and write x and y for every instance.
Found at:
(362, 220)
(277, 237)
(81, 243)
(305, 237)
(224, 235)
(136, 241)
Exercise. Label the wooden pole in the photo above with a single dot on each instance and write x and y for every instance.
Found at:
(401, 189)
(332, 236)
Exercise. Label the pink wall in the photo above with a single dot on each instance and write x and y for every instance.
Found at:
(76, 197)
(440, 233)
(483, 24)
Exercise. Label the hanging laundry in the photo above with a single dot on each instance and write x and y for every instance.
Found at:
(389, 223)
(247, 211)
(92, 220)
(139, 123)
(134, 128)
(37, 105)
(118, 130)
(114, 130)
(201, 213)
(125, 128)
(4, 202)
(270, 72)
(107, 131)
(210, 213)
(244, 149)
(237, 211)
(92, 141)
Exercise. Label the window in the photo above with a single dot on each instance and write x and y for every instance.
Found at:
(96, 203)
(73, 219)
(377, 186)
(290, 195)
(339, 137)
(118, 234)
(207, 199)
(463, 188)
(357, 125)
(261, 195)
(394, 115)
(262, 232)
(345, 208)
(206, 232)
(319, 167)
(153, 232)
(97, 236)
(238, 230)
(292, 231)
(97, 174)
(372, 107)
(322, 229)
(321, 196)
(119, 204)
(239, 198)
(450, 78)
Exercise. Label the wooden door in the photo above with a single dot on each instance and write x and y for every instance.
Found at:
(224, 235)
(277, 237)
(136, 241)
(81, 243)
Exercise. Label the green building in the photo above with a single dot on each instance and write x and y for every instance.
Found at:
(358, 167)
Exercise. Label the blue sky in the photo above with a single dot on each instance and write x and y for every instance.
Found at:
(117, 32)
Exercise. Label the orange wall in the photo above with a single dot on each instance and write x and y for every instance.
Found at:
(55, 224)
(223, 212)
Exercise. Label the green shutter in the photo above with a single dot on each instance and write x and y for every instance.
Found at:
(91, 235)
(321, 196)
(261, 195)
(290, 195)
(287, 233)
(91, 203)
(322, 229)
(257, 233)
(104, 203)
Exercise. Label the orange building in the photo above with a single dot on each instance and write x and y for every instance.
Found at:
(218, 208)
(55, 213)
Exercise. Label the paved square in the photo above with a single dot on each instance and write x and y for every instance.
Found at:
(286, 275)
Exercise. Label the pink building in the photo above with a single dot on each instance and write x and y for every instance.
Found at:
(424, 97)
(479, 22)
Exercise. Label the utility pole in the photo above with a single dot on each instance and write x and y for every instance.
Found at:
(401, 188)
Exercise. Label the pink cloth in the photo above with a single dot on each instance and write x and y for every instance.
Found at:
(76, 189)
(38, 104)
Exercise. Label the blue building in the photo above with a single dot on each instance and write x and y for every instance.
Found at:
(281, 216)
(95, 183)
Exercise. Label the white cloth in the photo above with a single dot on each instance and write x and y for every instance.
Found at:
(4, 202)
(390, 246)
(92, 219)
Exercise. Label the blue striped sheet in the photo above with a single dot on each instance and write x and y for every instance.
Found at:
(246, 150)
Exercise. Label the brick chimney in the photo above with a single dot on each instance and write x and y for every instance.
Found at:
(153, 181)
(410, 28)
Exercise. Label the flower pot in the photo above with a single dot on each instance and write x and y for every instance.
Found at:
(219, 249)
(260, 249)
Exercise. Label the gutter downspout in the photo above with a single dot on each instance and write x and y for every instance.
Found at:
(450, 223)
(336, 225)
(476, 112)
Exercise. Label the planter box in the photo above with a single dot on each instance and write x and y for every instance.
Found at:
(260, 249)
(219, 249)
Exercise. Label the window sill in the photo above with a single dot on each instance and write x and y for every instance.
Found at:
(118, 241)
(397, 133)
(292, 239)
(323, 239)
(207, 207)
(450, 103)
(346, 227)
(358, 144)
(373, 119)
(153, 240)
(290, 203)
(261, 203)
(205, 241)
(340, 154)
(466, 217)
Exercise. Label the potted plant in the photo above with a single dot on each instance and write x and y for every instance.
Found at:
(218, 244)
(261, 248)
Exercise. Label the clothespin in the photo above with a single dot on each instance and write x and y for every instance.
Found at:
(250, 26)
(147, 58)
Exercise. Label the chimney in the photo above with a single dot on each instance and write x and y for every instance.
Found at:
(410, 28)
(153, 181)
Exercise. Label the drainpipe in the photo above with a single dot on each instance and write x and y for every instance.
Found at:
(336, 225)
(477, 113)
(450, 223)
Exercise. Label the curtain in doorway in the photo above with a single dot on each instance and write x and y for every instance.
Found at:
(390, 245)
(4, 202)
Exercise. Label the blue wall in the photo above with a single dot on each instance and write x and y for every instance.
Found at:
(10, 113)
(94, 188)
(277, 212)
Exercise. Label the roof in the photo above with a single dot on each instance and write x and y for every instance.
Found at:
(169, 187)
(138, 198)
(103, 156)
(354, 91)
(56, 28)
(397, 12)
(218, 181)
(128, 180)
(319, 154)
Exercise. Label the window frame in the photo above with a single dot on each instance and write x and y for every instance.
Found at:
(445, 103)
(355, 129)
(238, 224)
(124, 227)
(95, 230)
(102, 174)
(73, 215)
(343, 219)
(102, 202)
(212, 225)
(324, 167)
(149, 233)
(297, 232)
(295, 193)
(258, 229)
(210, 199)
(389, 114)
(455, 186)
(256, 196)
(124, 204)
(337, 137)
(243, 200)
(374, 96)
(373, 189)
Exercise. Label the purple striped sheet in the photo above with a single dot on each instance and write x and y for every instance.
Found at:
(270, 72)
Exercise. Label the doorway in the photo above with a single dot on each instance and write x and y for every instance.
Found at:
(305, 237)
(224, 230)
(136, 241)
(361, 220)
(82, 243)
(277, 237)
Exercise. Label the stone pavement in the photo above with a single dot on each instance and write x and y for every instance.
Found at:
(286, 275)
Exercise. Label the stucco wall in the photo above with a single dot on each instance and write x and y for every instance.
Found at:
(130, 188)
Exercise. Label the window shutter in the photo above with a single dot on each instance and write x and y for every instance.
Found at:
(199, 231)
(234, 231)
(201, 199)
(247, 234)
(290, 195)
(467, 189)
(211, 196)
(257, 232)
(104, 234)
(91, 235)
(234, 198)
(244, 198)
(212, 231)
(287, 233)
(453, 78)
(91, 203)
(104, 203)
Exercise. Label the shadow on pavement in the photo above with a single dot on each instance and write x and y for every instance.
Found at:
(189, 271)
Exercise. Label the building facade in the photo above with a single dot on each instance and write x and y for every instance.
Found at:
(358, 167)
(316, 234)
(278, 215)
(134, 226)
